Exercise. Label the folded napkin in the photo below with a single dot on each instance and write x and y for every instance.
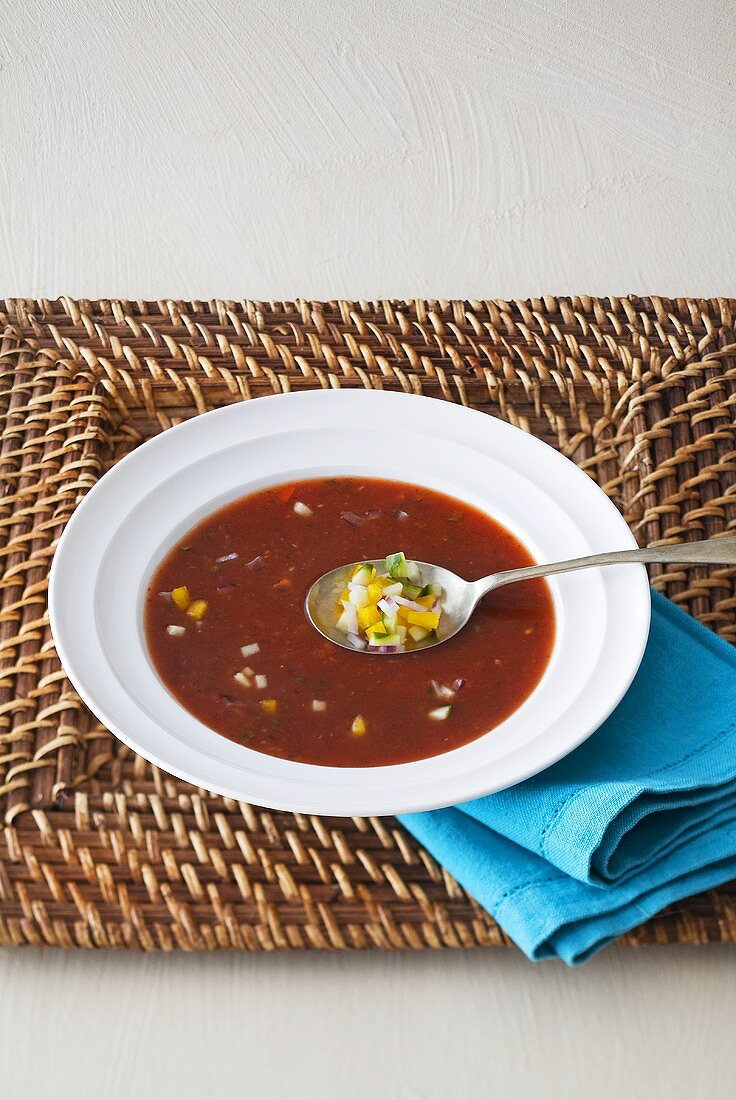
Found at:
(641, 815)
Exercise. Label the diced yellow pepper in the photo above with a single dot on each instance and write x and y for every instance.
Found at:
(359, 725)
(345, 594)
(376, 628)
(270, 705)
(181, 597)
(402, 614)
(428, 619)
(427, 601)
(374, 592)
(367, 616)
(197, 609)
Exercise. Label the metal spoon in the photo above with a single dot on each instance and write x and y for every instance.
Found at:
(461, 597)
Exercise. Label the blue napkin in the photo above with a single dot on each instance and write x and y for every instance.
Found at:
(641, 815)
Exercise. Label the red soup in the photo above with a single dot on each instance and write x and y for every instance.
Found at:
(229, 637)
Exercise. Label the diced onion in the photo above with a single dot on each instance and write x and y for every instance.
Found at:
(442, 690)
(242, 679)
(457, 684)
(319, 705)
(256, 563)
(402, 515)
(351, 618)
(411, 605)
(393, 589)
(226, 557)
(175, 631)
(441, 713)
(351, 518)
(250, 650)
(302, 509)
(261, 681)
(356, 641)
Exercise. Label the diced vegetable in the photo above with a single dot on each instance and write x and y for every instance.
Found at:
(175, 630)
(412, 591)
(269, 705)
(348, 621)
(384, 639)
(302, 509)
(396, 589)
(364, 574)
(441, 713)
(428, 619)
(250, 650)
(181, 597)
(359, 596)
(442, 690)
(226, 557)
(242, 679)
(368, 615)
(396, 565)
(411, 605)
(351, 518)
(261, 681)
(319, 705)
(359, 725)
(390, 609)
(197, 609)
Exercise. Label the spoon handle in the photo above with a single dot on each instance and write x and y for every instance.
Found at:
(720, 551)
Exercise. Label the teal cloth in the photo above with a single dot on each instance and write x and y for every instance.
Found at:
(641, 815)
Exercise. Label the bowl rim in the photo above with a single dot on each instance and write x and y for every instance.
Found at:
(308, 402)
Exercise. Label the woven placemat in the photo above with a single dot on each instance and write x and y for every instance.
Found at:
(101, 849)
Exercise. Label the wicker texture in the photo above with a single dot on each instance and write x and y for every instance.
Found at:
(101, 849)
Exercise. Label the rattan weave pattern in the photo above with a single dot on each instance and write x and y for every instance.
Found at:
(101, 849)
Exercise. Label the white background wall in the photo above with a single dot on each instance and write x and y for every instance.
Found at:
(361, 148)
(367, 147)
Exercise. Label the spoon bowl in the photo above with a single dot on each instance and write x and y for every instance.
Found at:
(458, 602)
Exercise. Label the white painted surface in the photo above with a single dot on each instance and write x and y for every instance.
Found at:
(327, 148)
(630, 1025)
(390, 147)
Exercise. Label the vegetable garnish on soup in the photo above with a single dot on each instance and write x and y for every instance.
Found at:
(228, 636)
(389, 611)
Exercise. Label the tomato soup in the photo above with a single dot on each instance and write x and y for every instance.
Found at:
(229, 637)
